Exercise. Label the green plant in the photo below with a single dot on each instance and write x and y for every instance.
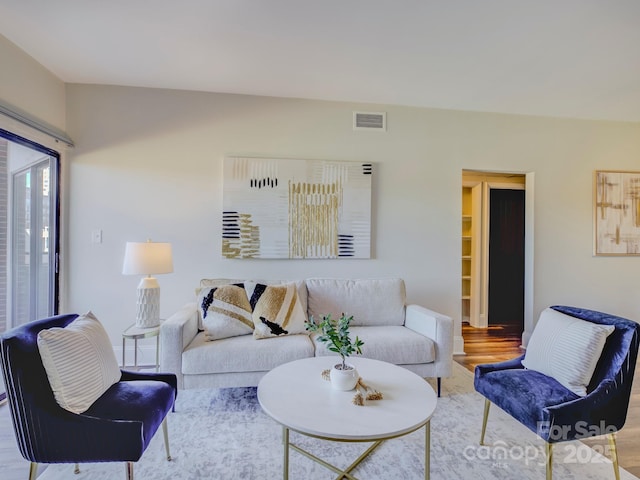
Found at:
(335, 333)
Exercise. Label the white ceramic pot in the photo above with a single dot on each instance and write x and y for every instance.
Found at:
(343, 379)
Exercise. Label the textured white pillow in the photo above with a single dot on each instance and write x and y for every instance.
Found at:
(225, 311)
(79, 362)
(276, 309)
(566, 348)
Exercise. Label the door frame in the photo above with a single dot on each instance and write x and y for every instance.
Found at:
(480, 189)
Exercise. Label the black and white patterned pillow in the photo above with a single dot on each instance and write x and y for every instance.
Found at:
(276, 309)
(225, 311)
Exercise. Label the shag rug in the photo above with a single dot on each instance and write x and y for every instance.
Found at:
(224, 434)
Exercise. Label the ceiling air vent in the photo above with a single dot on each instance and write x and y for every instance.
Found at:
(370, 121)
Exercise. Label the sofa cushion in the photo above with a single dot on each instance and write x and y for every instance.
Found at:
(79, 362)
(276, 309)
(370, 301)
(225, 311)
(566, 348)
(392, 344)
(243, 354)
(525, 394)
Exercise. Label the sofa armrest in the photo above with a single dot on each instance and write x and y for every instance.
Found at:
(176, 332)
(438, 328)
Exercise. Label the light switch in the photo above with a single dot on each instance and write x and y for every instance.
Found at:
(96, 236)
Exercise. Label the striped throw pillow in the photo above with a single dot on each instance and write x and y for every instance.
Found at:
(566, 348)
(79, 361)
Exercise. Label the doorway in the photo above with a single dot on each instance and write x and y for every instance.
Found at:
(495, 282)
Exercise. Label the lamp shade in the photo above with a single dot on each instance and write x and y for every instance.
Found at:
(147, 258)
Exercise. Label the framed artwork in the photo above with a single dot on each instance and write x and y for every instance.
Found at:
(616, 213)
(288, 208)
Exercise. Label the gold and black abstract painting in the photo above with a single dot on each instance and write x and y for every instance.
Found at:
(288, 208)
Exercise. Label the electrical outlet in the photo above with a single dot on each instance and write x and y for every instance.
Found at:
(96, 236)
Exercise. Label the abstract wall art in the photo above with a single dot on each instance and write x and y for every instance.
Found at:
(288, 208)
(616, 213)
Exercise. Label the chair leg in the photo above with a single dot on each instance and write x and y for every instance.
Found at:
(614, 455)
(33, 470)
(129, 468)
(487, 404)
(439, 385)
(549, 462)
(165, 432)
(77, 469)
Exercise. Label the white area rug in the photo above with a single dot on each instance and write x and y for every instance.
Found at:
(223, 434)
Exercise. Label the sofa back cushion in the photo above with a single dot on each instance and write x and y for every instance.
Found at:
(371, 301)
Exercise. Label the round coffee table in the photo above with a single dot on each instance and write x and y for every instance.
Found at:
(290, 392)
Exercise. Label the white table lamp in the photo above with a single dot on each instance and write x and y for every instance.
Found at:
(147, 258)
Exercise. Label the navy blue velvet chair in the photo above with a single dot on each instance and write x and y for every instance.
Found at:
(552, 411)
(116, 428)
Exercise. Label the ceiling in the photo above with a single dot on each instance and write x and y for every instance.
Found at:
(561, 58)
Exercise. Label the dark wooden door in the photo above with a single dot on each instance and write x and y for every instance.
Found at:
(506, 257)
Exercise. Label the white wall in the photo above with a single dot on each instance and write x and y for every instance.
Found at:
(148, 164)
(29, 87)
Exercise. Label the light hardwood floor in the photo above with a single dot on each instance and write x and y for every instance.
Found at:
(498, 343)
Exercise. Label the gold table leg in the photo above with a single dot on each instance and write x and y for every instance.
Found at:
(427, 450)
(285, 441)
(346, 473)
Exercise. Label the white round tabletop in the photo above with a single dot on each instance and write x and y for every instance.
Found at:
(296, 396)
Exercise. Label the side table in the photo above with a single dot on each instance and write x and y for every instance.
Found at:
(136, 333)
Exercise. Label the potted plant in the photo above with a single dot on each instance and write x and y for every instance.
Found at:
(335, 333)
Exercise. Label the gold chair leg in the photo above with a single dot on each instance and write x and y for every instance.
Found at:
(614, 455)
(549, 461)
(165, 432)
(33, 470)
(129, 467)
(487, 404)
(76, 470)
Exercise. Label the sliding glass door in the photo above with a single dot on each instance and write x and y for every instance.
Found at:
(33, 269)
(29, 215)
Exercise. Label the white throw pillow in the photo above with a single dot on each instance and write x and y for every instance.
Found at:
(79, 361)
(566, 348)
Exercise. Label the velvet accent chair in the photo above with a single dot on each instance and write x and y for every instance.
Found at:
(117, 427)
(554, 412)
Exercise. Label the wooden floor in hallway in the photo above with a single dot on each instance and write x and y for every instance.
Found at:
(500, 342)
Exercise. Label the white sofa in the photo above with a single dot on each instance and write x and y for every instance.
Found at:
(411, 336)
